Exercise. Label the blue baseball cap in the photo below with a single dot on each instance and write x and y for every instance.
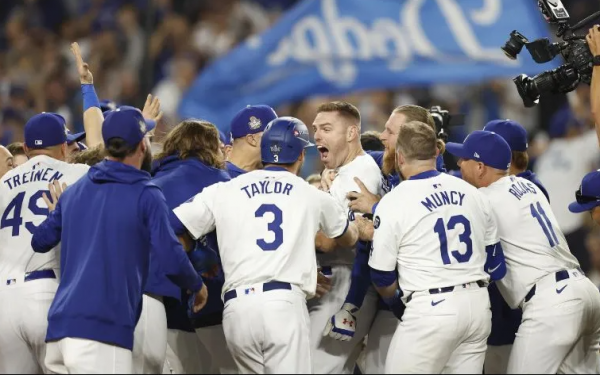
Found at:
(588, 195)
(251, 120)
(44, 130)
(513, 133)
(563, 120)
(127, 123)
(74, 137)
(107, 105)
(485, 147)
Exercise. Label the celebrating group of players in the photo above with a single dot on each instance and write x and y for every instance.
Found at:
(212, 255)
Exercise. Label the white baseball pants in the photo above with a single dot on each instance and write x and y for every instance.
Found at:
(560, 331)
(268, 332)
(150, 337)
(496, 359)
(331, 356)
(216, 354)
(24, 310)
(442, 333)
(379, 341)
(80, 356)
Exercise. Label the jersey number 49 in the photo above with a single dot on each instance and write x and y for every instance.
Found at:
(12, 216)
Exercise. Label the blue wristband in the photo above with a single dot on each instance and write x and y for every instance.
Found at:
(90, 99)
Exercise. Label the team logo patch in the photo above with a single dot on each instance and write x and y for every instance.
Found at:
(249, 291)
(142, 126)
(376, 222)
(276, 149)
(476, 155)
(39, 142)
(254, 123)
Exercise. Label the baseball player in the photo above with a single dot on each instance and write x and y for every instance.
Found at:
(269, 264)
(28, 280)
(106, 244)
(385, 322)
(505, 321)
(337, 136)
(18, 152)
(246, 131)
(189, 162)
(433, 252)
(560, 330)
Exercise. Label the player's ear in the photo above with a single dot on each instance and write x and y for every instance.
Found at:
(64, 149)
(251, 139)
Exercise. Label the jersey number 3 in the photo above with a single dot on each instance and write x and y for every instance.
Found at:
(14, 211)
(464, 237)
(274, 226)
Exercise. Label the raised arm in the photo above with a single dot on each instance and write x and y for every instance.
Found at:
(92, 115)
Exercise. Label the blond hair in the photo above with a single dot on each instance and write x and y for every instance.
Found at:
(194, 138)
(417, 141)
(420, 114)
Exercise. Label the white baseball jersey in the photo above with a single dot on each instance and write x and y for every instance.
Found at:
(266, 224)
(533, 244)
(22, 209)
(433, 229)
(367, 170)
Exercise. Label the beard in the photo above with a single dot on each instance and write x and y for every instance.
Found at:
(147, 162)
(389, 163)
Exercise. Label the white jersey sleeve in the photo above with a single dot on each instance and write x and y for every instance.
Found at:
(334, 220)
(384, 256)
(197, 214)
(491, 232)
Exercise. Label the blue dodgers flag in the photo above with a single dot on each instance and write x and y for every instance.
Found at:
(338, 46)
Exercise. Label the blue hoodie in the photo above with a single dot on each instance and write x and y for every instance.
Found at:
(109, 222)
(233, 169)
(180, 180)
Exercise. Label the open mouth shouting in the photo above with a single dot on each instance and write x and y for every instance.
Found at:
(323, 151)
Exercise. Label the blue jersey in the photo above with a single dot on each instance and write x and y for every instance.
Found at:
(105, 253)
(181, 180)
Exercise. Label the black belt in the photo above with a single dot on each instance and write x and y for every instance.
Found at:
(272, 285)
(559, 276)
(448, 289)
(41, 274)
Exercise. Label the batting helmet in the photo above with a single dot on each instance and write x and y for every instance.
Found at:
(283, 141)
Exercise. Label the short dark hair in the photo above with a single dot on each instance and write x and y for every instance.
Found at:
(345, 109)
(520, 160)
(119, 149)
(370, 141)
(16, 148)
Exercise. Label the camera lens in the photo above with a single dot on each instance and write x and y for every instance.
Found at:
(514, 45)
(528, 90)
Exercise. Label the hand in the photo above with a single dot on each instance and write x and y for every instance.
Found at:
(593, 40)
(212, 272)
(342, 325)
(323, 284)
(362, 202)
(365, 228)
(151, 109)
(85, 76)
(327, 178)
(56, 190)
(200, 299)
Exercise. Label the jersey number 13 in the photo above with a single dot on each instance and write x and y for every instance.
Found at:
(464, 237)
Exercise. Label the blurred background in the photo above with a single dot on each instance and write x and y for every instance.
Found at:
(136, 47)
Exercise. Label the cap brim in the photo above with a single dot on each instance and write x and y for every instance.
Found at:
(577, 207)
(309, 144)
(457, 149)
(72, 138)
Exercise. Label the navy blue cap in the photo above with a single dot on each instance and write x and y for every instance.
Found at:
(107, 105)
(588, 195)
(563, 120)
(74, 137)
(44, 130)
(251, 120)
(225, 139)
(513, 133)
(483, 146)
(127, 123)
